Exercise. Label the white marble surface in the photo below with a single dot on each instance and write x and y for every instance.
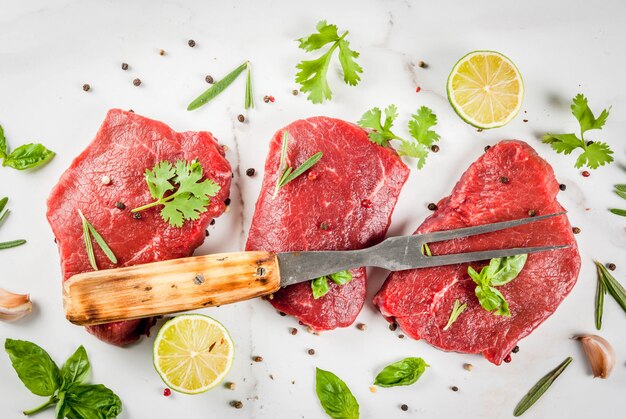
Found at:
(48, 49)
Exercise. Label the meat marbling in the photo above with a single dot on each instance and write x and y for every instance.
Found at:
(125, 146)
(344, 202)
(507, 182)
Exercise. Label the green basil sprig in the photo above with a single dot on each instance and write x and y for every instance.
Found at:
(335, 396)
(320, 286)
(25, 156)
(401, 373)
(64, 387)
(500, 271)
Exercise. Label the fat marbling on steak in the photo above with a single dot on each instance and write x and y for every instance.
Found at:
(344, 202)
(506, 183)
(125, 146)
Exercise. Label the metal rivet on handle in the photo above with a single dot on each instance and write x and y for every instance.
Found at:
(260, 271)
(198, 279)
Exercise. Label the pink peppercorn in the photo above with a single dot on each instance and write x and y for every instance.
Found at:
(366, 203)
(507, 359)
(586, 173)
(167, 392)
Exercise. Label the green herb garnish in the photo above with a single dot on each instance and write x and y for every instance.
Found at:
(426, 250)
(600, 293)
(312, 74)
(457, 309)
(89, 231)
(63, 386)
(185, 203)
(287, 174)
(4, 213)
(335, 396)
(540, 388)
(595, 153)
(320, 287)
(221, 85)
(401, 373)
(12, 243)
(499, 272)
(419, 127)
(620, 190)
(25, 156)
(610, 284)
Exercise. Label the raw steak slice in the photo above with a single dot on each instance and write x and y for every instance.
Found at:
(504, 184)
(344, 202)
(125, 146)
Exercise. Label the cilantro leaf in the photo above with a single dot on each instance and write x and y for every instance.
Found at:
(381, 133)
(594, 154)
(417, 151)
(420, 124)
(312, 73)
(188, 195)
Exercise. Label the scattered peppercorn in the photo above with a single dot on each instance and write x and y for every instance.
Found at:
(562, 186)
(586, 173)
(487, 147)
(137, 82)
(241, 118)
(504, 179)
(576, 230)
(532, 213)
(323, 226)
(282, 314)
(294, 92)
(524, 120)
(432, 206)
(106, 180)
(124, 66)
(312, 175)
(167, 392)
(231, 386)
(212, 222)
(311, 351)
(227, 201)
(400, 336)
(208, 79)
(161, 52)
(250, 172)
(479, 130)
(611, 266)
(191, 43)
(86, 87)
(422, 64)
(507, 358)
(516, 349)
(361, 326)
(393, 326)
(206, 233)
(131, 111)
(589, 142)
(236, 404)
(404, 407)
(454, 388)
(258, 359)
(266, 99)
(417, 89)
(366, 203)
(55, 240)
(468, 367)
(137, 216)
(435, 148)
(294, 331)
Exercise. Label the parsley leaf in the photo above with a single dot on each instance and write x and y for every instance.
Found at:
(312, 73)
(188, 196)
(595, 154)
(419, 127)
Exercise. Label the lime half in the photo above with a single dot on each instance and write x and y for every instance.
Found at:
(485, 89)
(193, 353)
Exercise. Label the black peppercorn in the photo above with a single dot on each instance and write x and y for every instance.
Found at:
(137, 82)
(212, 222)
(250, 172)
(241, 118)
(562, 186)
(487, 148)
(120, 205)
(432, 206)
(516, 349)
(532, 213)
(323, 226)
(86, 87)
(137, 216)
(435, 148)
(209, 79)
(206, 233)
(393, 327)
(236, 404)
(124, 66)
(294, 92)
(311, 351)
(576, 230)
(454, 388)
(404, 407)
(504, 179)
(611, 266)
(191, 43)
(227, 201)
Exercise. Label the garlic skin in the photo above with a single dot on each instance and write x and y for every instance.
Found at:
(14, 306)
(600, 354)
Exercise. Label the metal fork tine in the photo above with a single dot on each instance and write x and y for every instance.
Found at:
(431, 261)
(438, 236)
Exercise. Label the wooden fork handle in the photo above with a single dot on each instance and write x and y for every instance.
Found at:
(168, 287)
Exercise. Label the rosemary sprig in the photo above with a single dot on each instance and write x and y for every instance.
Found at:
(457, 309)
(218, 87)
(12, 243)
(620, 190)
(600, 291)
(613, 287)
(287, 173)
(88, 232)
(249, 102)
(4, 213)
(540, 388)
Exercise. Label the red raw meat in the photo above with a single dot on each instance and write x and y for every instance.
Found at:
(125, 146)
(352, 190)
(504, 184)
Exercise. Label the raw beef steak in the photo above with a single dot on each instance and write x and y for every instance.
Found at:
(344, 202)
(125, 146)
(504, 184)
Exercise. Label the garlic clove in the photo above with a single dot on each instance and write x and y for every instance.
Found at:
(600, 354)
(14, 306)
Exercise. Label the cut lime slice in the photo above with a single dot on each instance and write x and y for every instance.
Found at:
(485, 89)
(193, 353)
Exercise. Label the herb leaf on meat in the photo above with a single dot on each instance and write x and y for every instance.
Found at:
(24, 157)
(320, 287)
(287, 173)
(401, 373)
(457, 310)
(188, 196)
(595, 153)
(335, 396)
(312, 73)
(89, 231)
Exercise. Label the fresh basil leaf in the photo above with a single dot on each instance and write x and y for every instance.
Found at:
(401, 373)
(3, 143)
(335, 396)
(492, 300)
(341, 278)
(28, 156)
(92, 401)
(61, 408)
(320, 287)
(507, 270)
(76, 367)
(476, 277)
(34, 367)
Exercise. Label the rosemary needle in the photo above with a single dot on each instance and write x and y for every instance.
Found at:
(540, 388)
(217, 88)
